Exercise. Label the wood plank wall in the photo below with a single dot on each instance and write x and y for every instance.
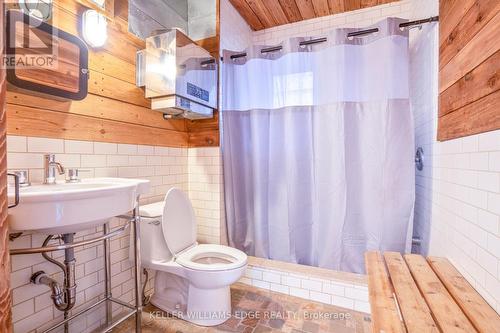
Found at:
(264, 14)
(115, 110)
(469, 62)
(5, 295)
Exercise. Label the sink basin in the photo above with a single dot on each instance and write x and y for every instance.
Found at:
(71, 207)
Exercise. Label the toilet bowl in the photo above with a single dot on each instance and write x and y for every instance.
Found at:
(192, 280)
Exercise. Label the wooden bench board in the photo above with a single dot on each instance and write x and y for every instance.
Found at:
(431, 294)
(415, 311)
(447, 314)
(385, 316)
(482, 316)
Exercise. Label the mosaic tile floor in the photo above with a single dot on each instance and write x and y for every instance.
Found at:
(260, 311)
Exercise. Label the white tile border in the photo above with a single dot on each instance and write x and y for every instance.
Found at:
(338, 292)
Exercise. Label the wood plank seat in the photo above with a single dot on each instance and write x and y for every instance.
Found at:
(411, 294)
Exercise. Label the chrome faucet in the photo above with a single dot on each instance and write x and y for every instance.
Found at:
(49, 169)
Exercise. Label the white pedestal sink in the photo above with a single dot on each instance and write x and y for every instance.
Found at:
(71, 207)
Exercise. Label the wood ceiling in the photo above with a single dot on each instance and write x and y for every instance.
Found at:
(263, 14)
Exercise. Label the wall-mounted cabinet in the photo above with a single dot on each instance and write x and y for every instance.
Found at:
(44, 59)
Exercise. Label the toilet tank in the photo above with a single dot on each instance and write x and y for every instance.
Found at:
(153, 246)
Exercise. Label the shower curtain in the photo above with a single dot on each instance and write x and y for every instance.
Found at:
(317, 144)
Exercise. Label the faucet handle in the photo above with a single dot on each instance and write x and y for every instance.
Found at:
(23, 178)
(73, 176)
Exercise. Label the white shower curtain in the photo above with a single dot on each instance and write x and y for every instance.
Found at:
(318, 149)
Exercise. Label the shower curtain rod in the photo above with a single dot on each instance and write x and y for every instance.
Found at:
(349, 35)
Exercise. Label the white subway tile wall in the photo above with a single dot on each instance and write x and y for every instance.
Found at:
(164, 167)
(235, 33)
(337, 292)
(423, 99)
(205, 192)
(457, 207)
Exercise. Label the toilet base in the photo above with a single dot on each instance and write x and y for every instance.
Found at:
(204, 307)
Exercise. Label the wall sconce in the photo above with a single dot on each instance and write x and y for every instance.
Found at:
(94, 28)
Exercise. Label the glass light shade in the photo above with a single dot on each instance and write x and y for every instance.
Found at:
(94, 28)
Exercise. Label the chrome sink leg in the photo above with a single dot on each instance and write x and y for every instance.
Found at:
(107, 273)
(137, 262)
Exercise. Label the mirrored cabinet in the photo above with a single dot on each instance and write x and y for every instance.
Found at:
(44, 59)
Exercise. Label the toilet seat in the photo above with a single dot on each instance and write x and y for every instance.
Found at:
(192, 280)
(178, 226)
(211, 257)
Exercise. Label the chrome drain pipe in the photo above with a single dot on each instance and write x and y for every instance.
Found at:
(64, 297)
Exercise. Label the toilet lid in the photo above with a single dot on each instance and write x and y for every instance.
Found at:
(178, 222)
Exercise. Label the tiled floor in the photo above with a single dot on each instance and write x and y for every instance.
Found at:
(265, 311)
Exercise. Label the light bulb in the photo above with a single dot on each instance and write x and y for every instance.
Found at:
(94, 28)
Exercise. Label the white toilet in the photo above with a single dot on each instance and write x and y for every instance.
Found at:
(192, 280)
